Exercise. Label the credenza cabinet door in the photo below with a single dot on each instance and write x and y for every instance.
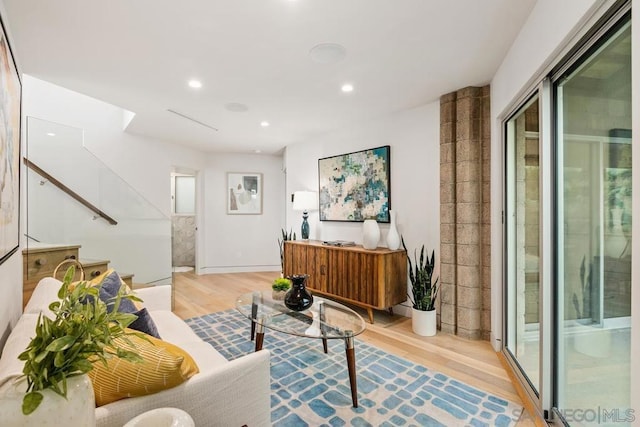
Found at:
(369, 278)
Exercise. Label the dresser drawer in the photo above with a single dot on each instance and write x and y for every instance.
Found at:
(41, 263)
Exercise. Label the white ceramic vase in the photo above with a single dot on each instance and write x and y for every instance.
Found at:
(77, 410)
(370, 234)
(423, 322)
(393, 238)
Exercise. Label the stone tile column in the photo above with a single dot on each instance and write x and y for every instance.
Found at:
(485, 218)
(465, 213)
(448, 296)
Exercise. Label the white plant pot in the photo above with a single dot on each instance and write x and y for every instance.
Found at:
(77, 410)
(423, 322)
(370, 234)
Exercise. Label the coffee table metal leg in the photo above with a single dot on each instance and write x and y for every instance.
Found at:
(323, 326)
(260, 333)
(351, 365)
(254, 312)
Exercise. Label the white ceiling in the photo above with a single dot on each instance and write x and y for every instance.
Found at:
(139, 55)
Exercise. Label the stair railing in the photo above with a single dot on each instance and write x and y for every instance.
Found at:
(84, 202)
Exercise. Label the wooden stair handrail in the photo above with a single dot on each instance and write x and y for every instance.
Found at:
(69, 191)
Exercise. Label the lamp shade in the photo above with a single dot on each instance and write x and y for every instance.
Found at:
(305, 201)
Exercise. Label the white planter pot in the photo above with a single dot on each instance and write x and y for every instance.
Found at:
(370, 234)
(423, 322)
(78, 410)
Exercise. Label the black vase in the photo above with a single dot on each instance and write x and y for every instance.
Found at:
(298, 297)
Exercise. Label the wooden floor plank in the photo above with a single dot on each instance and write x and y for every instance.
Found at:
(472, 362)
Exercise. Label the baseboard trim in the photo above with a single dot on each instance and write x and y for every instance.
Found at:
(495, 341)
(238, 269)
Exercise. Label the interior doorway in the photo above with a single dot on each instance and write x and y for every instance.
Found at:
(183, 220)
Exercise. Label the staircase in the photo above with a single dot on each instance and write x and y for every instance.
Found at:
(40, 260)
(74, 199)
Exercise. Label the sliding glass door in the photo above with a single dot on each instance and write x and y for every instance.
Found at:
(593, 220)
(567, 217)
(523, 243)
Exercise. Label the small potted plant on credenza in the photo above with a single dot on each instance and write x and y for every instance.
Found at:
(424, 291)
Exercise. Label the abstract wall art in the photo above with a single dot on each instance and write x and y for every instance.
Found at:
(355, 186)
(10, 98)
(244, 193)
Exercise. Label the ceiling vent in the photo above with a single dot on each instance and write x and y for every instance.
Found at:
(184, 116)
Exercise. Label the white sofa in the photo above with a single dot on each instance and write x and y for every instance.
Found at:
(223, 393)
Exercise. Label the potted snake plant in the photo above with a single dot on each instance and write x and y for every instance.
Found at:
(424, 291)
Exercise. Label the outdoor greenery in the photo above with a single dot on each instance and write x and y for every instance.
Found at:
(81, 333)
(424, 291)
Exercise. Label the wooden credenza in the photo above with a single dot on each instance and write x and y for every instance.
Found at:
(373, 279)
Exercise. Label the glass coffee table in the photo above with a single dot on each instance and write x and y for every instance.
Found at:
(324, 320)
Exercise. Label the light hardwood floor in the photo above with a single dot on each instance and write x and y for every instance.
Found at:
(473, 362)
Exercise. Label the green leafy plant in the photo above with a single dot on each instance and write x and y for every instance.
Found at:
(281, 284)
(81, 333)
(290, 236)
(424, 291)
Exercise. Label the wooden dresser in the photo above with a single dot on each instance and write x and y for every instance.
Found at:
(40, 260)
(373, 279)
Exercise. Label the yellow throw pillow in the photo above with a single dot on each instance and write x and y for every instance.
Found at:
(165, 366)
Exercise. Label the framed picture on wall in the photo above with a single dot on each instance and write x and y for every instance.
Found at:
(244, 193)
(10, 99)
(355, 186)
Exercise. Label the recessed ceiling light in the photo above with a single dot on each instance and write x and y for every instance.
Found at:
(327, 53)
(257, 151)
(264, 123)
(236, 107)
(347, 87)
(196, 84)
(51, 134)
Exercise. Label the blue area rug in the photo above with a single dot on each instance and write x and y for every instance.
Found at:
(310, 388)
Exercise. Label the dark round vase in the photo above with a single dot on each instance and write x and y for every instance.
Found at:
(298, 297)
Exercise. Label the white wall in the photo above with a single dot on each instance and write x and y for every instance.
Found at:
(546, 34)
(11, 301)
(238, 243)
(414, 137)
